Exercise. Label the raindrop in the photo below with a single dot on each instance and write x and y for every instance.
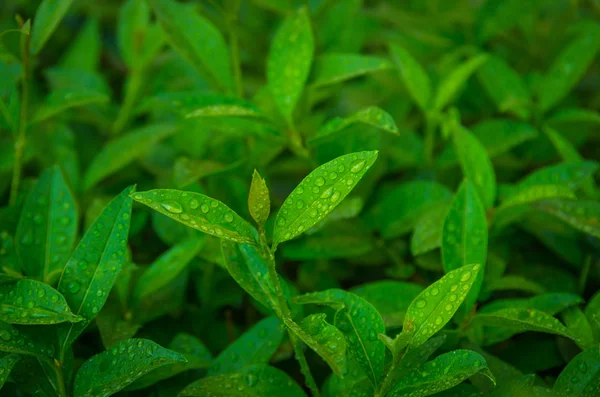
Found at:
(172, 206)
(5, 335)
(335, 196)
(193, 204)
(204, 208)
(41, 293)
(332, 175)
(356, 168)
(54, 298)
(73, 287)
(435, 291)
(281, 221)
(319, 181)
(327, 193)
(228, 217)
(466, 276)
(299, 204)
(438, 320)
(421, 303)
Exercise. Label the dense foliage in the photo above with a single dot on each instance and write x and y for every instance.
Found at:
(283, 198)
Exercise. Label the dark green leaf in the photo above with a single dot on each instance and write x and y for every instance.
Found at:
(581, 376)
(581, 215)
(6, 365)
(453, 82)
(47, 17)
(63, 99)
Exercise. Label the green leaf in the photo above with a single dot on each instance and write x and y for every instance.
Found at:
(517, 283)
(63, 99)
(199, 212)
(289, 61)
(254, 347)
(465, 237)
(335, 68)
(592, 312)
(444, 372)
(335, 245)
(571, 174)
(579, 214)
(573, 116)
(166, 268)
(435, 306)
(6, 365)
(9, 259)
(534, 193)
(569, 67)
(124, 150)
(259, 203)
(47, 226)
(578, 325)
(33, 302)
(106, 373)
(475, 164)
(417, 357)
(138, 40)
(372, 116)
(85, 51)
(581, 376)
(93, 268)
(413, 75)
(26, 340)
(197, 40)
(319, 193)
(500, 15)
(360, 323)
(453, 82)
(505, 87)
(522, 320)
(47, 17)
(427, 234)
(261, 381)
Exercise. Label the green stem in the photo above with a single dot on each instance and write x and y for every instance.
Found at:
(304, 368)
(21, 138)
(385, 386)
(272, 270)
(429, 142)
(132, 91)
(236, 66)
(56, 367)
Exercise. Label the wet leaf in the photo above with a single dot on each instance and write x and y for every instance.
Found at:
(254, 347)
(413, 75)
(93, 268)
(6, 365)
(47, 226)
(259, 203)
(360, 323)
(435, 306)
(578, 325)
(9, 259)
(334, 68)
(262, 381)
(371, 116)
(579, 214)
(319, 193)
(570, 174)
(199, 212)
(581, 376)
(33, 302)
(63, 99)
(453, 82)
(26, 340)
(47, 17)
(289, 61)
(106, 373)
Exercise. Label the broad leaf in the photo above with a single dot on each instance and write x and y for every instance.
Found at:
(581, 376)
(26, 340)
(47, 17)
(106, 373)
(337, 67)
(259, 203)
(319, 193)
(453, 82)
(579, 214)
(414, 76)
(572, 174)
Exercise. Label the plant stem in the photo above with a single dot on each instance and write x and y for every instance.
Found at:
(429, 141)
(232, 18)
(272, 270)
(132, 90)
(21, 138)
(304, 368)
(60, 387)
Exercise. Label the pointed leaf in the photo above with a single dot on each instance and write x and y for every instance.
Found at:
(93, 268)
(574, 116)
(138, 40)
(289, 61)
(427, 234)
(572, 174)
(47, 18)
(435, 306)
(319, 193)
(578, 325)
(106, 373)
(414, 76)
(579, 214)
(372, 116)
(6, 365)
(259, 203)
(581, 376)
(85, 50)
(453, 82)
(63, 99)
(26, 340)
(47, 226)
(199, 212)
(334, 68)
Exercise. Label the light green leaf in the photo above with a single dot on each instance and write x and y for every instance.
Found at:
(465, 238)
(534, 193)
(47, 18)
(32, 302)
(522, 320)
(254, 347)
(106, 373)
(581, 376)
(259, 203)
(6, 365)
(475, 164)
(93, 268)
(444, 372)
(197, 40)
(579, 214)
(85, 50)
(569, 67)
(413, 75)
(200, 105)
(261, 381)
(337, 67)
(199, 212)
(372, 116)
(360, 323)
(319, 193)
(427, 234)
(289, 61)
(166, 268)
(435, 306)
(47, 226)
(67, 98)
(123, 150)
(453, 82)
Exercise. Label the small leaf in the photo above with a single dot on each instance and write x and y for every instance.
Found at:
(63, 99)
(475, 164)
(435, 306)
(451, 84)
(372, 116)
(260, 381)
(199, 212)
(414, 76)
(444, 372)
(6, 365)
(85, 50)
(335, 68)
(47, 18)
(197, 40)
(319, 193)
(578, 325)
(569, 67)
(581, 375)
(47, 226)
(465, 237)
(259, 203)
(572, 174)
(123, 150)
(427, 235)
(93, 268)
(254, 347)
(33, 302)
(579, 214)
(106, 373)
(501, 15)
(138, 40)
(360, 323)
(167, 267)
(289, 61)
